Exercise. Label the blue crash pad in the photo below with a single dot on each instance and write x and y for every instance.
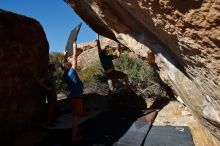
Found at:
(169, 136)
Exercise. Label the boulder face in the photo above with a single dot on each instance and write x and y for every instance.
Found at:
(89, 51)
(24, 53)
(181, 38)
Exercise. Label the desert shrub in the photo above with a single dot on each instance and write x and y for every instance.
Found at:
(57, 59)
(89, 74)
(142, 77)
(93, 79)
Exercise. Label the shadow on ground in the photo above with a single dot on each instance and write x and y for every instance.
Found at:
(104, 129)
(119, 111)
(159, 103)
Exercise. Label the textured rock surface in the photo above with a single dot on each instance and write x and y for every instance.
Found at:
(181, 37)
(23, 63)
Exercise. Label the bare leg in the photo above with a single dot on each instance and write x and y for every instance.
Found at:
(75, 127)
(110, 84)
(77, 112)
(50, 113)
(126, 81)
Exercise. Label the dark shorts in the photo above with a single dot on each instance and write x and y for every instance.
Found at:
(116, 75)
(77, 106)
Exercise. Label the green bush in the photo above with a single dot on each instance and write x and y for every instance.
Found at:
(142, 77)
(93, 79)
(89, 74)
(57, 59)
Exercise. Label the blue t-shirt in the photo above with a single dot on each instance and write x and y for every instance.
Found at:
(74, 83)
(106, 61)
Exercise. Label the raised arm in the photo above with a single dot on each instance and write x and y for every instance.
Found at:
(65, 57)
(98, 44)
(74, 62)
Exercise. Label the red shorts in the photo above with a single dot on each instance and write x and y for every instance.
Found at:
(77, 106)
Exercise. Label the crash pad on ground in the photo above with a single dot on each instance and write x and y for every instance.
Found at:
(65, 121)
(169, 136)
(135, 135)
(138, 131)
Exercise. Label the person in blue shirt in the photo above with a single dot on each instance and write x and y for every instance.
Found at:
(108, 66)
(75, 86)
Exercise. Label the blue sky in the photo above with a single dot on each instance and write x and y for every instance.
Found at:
(56, 17)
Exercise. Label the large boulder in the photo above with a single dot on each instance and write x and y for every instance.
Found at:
(181, 38)
(24, 53)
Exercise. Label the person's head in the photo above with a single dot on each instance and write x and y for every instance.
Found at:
(66, 66)
(51, 67)
(105, 52)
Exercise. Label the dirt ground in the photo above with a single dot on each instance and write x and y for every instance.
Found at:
(110, 125)
(176, 114)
